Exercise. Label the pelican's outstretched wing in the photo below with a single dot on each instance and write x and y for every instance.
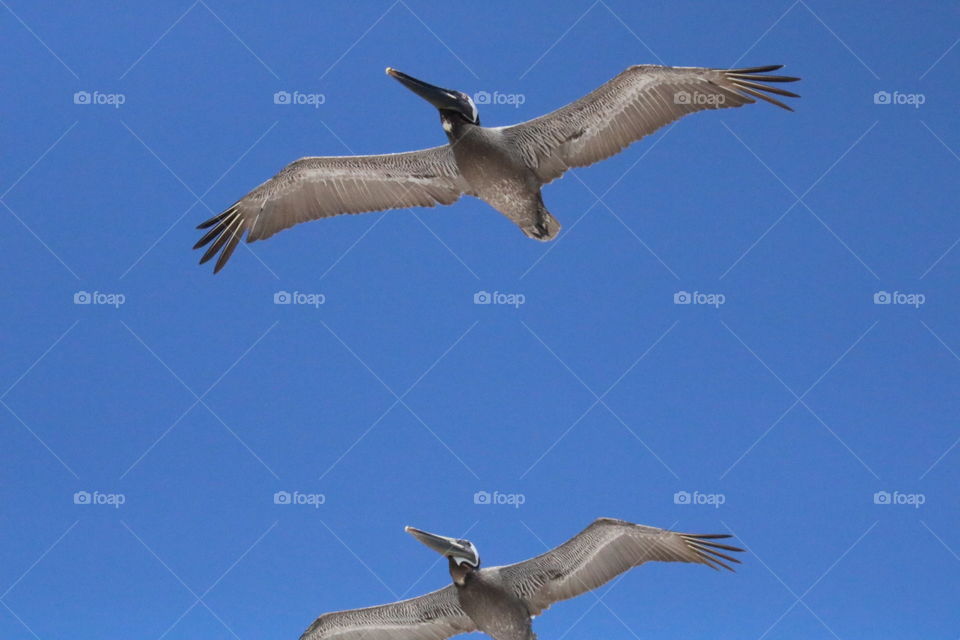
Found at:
(602, 551)
(630, 106)
(313, 188)
(434, 616)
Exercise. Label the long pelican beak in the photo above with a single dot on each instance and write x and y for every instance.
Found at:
(449, 547)
(437, 96)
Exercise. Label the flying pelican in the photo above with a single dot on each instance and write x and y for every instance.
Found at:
(503, 166)
(500, 601)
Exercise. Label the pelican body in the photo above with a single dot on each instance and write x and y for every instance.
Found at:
(503, 166)
(501, 601)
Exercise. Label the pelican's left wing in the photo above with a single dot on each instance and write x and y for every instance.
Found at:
(602, 551)
(632, 105)
(433, 616)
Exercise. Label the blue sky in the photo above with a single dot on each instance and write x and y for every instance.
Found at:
(193, 399)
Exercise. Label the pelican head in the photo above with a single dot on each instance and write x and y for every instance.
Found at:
(454, 106)
(460, 552)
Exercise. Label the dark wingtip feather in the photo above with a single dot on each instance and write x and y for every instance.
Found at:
(747, 76)
(707, 550)
(717, 545)
(750, 82)
(225, 235)
(762, 87)
(763, 96)
(227, 252)
(769, 67)
(707, 539)
(212, 251)
(220, 216)
(210, 235)
(716, 554)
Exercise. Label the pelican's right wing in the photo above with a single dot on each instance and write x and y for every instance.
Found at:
(320, 187)
(434, 616)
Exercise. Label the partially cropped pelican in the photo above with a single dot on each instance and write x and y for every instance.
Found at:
(500, 601)
(503, 166)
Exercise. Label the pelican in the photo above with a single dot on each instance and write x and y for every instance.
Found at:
(503, 166)
(500, 601)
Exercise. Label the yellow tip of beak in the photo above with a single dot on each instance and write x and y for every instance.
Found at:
(390, 71)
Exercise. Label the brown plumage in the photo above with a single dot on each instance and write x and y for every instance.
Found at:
(504, 166)
(500, 601)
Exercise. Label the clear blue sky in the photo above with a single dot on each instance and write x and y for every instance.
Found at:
(197, 399)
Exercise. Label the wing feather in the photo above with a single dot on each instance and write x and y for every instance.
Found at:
(320, 187)
(433, 616)
(632, 105)
(604, 550)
